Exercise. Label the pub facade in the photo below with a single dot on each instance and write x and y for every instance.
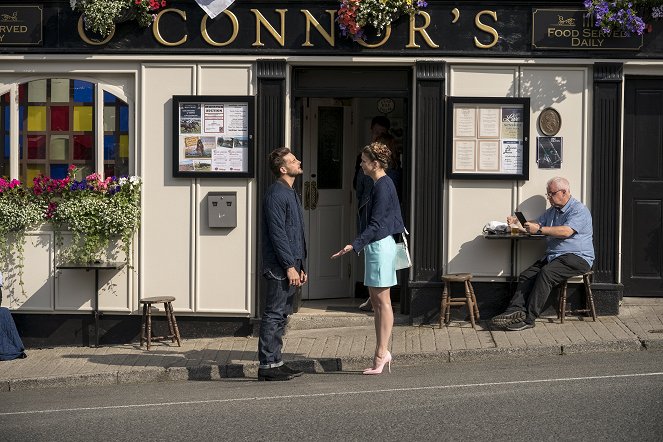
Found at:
(486, 102)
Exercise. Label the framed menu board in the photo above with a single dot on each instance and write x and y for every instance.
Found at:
(488, 138)
(213, 136)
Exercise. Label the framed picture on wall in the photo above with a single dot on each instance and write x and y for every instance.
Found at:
(488, 138)
(213, 136)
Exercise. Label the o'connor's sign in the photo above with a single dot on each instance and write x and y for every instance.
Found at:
(20, 25)
(574, 29)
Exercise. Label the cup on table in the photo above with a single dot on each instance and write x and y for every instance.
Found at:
(514, 229)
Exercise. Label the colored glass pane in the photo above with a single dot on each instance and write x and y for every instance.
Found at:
(59, 90)
(21, 117)
(58, 148)
(109, 118)
(83, 147)
(110, 146)
(37, 91)
(22, 90)
(59, 171)
(82, 118)
(109, 98)
(20, 147)
(37, 147)
(124, 146)
(59, 118)
(83, 91)
(4, 99)
(109, 170)
(5, 117)
(6, 146)
(124, 118)
(36, 118)
(33, 171)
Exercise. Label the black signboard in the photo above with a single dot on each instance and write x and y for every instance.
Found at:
(574, 29)
(21, 25)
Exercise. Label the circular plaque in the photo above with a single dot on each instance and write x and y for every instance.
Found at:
(385, 105)
(549, 122)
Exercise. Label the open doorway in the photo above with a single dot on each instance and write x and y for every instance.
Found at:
(329, 135)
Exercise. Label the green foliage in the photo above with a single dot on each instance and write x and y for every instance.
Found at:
(101, 15)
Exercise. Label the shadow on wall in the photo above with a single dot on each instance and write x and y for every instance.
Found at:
(544, 93)
(533, 207)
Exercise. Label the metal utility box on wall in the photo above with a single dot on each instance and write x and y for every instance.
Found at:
(222, 209)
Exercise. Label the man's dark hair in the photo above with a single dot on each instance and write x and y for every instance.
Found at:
(382, 121)
(276, 160)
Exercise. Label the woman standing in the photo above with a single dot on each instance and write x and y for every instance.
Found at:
(383, 220)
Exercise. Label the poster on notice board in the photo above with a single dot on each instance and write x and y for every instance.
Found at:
(213, 136)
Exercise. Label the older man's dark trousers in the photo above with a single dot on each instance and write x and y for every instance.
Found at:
(278, 305)
(537, 281)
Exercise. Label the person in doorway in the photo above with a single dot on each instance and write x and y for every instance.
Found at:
(383, 220)
(363, 184)
(567, 225)
(283, 259)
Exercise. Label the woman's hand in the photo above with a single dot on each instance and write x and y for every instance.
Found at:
(343, 251)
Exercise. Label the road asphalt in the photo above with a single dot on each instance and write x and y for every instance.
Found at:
(638, 327)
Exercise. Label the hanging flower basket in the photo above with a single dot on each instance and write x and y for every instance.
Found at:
(357, 18)
(100, 16)
(628, 16)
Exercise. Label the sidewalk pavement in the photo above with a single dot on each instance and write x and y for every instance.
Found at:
(638, 327)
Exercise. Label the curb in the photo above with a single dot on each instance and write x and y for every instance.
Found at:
(318, 365)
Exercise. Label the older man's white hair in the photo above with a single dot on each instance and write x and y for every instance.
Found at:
(561, 183)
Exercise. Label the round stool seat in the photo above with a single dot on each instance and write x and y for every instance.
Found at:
(157, 299)
(457, 277)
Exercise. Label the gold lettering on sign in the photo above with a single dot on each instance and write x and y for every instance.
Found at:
(208, 39)
(488, 29)
(88, 40)
(387, 34)
(157, 34)
(421, 30)
(261, 20)
(326, 35)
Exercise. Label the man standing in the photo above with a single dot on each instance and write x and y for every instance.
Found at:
(567, 225)
(283, 256)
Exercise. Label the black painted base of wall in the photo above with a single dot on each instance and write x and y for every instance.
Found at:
(40, 330)
(493, 298)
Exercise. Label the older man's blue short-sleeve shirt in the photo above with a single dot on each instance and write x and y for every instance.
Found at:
(575, 215)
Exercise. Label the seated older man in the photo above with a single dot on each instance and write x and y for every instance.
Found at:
(567, 225)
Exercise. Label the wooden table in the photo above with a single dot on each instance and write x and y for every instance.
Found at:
(96, 266)
(514, 238)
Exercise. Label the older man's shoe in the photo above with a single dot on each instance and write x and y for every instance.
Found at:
(274, 374)
(508, 318)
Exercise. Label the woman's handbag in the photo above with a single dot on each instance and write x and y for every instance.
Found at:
(403, 260)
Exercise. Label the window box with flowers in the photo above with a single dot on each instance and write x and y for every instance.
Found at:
(96, 212)
(628, 16)
(355, 16)
(101, 15)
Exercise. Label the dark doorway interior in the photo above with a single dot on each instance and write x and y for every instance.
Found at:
(642, 200)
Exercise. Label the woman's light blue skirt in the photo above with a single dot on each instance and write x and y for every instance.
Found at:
(379, 257)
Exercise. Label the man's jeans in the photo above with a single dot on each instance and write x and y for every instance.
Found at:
(536, 283)
(278, 304)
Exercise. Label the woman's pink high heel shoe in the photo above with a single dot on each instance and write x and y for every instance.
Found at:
(378, 369)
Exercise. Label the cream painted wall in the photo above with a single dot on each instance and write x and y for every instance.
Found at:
(471, 203)
(207, 270)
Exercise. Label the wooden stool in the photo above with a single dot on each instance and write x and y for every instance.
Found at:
(470, 301)
(589, 298)
(146, 324)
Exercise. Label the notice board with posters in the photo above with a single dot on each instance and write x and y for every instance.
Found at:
(213, 136)
(487, 138)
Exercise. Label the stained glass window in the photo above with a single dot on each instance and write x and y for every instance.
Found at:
(57, 127)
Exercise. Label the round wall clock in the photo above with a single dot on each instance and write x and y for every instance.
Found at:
(549, 122)
(385, 105)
